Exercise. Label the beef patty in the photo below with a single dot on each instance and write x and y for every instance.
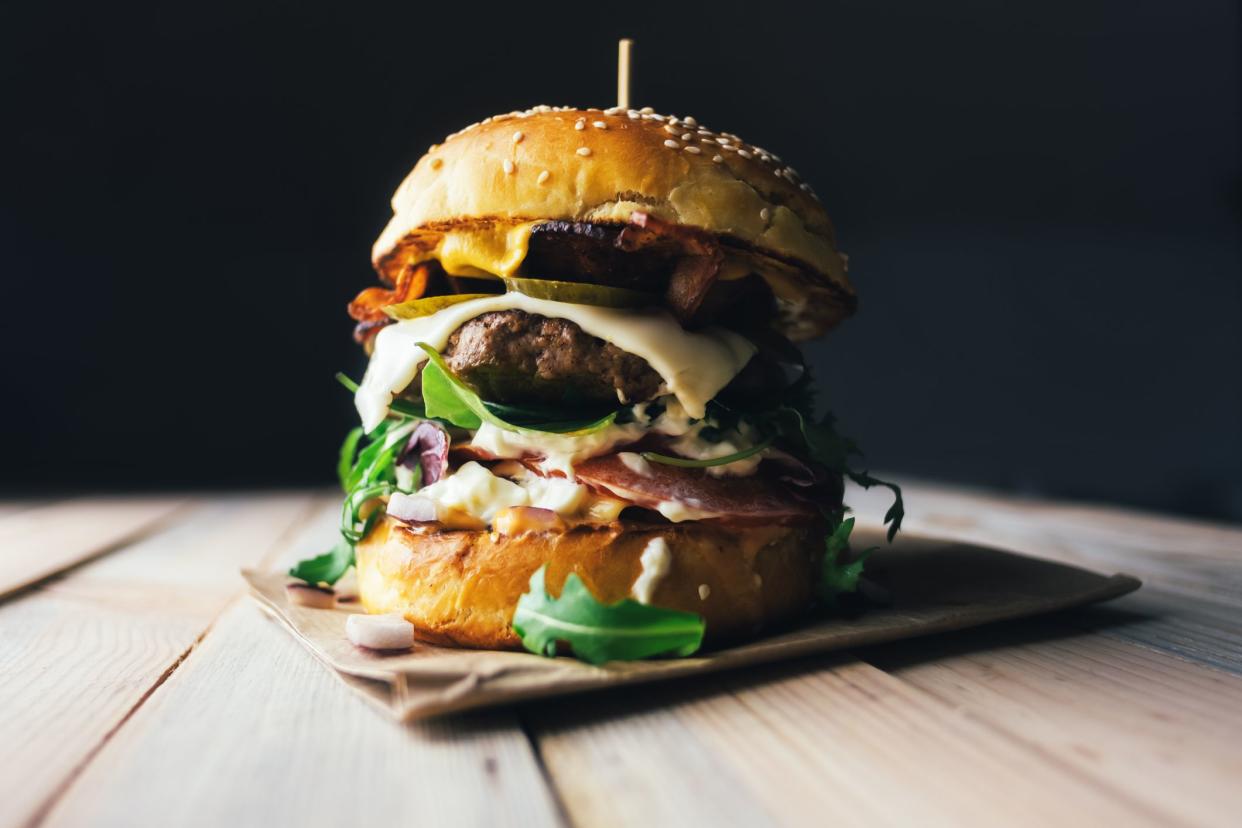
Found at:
(516, 357)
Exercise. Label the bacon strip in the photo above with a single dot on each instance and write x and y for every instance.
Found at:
(752, 499)
(368, 306)
(696, 269)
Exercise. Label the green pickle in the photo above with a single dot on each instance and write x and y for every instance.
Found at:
(428, 305)
(580, 293)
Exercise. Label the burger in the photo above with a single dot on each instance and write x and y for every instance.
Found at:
(585, 425)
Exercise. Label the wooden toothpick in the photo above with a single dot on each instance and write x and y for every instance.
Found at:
(623, 72)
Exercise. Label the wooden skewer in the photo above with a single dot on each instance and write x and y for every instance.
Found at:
(623, 72)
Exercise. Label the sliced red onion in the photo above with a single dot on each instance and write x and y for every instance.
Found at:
(411, 508)
(794, 470)
(428, 448)
(380, 632)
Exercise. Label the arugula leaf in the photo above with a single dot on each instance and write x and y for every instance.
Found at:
(897, 512)
(350, 385)
(369, 474)
(596, 632)
(820, 441)
(445, 397)
(837, 578)
(688, 463)
(328, 567)
(352, 507)
(345, 462)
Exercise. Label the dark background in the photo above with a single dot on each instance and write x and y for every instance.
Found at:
(1041, 204)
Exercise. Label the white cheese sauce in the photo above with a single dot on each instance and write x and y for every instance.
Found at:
(656, 561)
(475, 491)
(694, 366)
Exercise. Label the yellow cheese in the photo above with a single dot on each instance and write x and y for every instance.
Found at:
(484, 252)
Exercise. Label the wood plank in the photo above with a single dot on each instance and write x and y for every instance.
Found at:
(819, 742)
(1161, 729)
(42, 541)
(78, 653)
(1179, 554)
(1191, 602)
(252, 730)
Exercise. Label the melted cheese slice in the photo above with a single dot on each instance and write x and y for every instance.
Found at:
(489, 253)
(694, 366)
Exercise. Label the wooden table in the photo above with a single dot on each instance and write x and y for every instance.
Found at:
(139, 686)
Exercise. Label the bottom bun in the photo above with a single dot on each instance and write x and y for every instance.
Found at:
(461, 587)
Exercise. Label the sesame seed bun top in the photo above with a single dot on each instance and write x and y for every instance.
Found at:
(492, 181)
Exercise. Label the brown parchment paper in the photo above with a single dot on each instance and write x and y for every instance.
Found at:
(935, 586)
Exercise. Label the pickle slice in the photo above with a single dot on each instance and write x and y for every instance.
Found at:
(579, 293)
(428, 305)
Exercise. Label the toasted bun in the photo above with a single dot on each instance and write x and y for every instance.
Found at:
(493, 180)
(461, 587)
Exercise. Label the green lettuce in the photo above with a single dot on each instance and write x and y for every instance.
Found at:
(366, 472)
(596, 632)
(447, 398)
(838, 577)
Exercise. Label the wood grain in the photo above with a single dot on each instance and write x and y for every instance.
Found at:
(838, 743)
(38, 542)
(1191, 603)
(79, 653)
(1123, 715)
(251, 730)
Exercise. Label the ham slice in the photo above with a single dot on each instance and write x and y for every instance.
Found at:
(755, 499)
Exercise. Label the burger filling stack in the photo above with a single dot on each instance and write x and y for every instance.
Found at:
(585, 425)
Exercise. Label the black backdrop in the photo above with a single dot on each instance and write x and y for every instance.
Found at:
(1040, 201)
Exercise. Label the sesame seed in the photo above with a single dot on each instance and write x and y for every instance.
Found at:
(656, 117)
(706, 132)
(633, 114)
(693, 150)
(685, 136)
(543, 176)
(508, 166)
(612, 110)
(672, 130)
(437, 163)
(744, 153)
(765, 214)
(806, 188)
(518, 136)
(584, 151)
(718, 158)
(599, 125)
(671, 144)
(690, 122)
(646, 110)
(580, 124)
